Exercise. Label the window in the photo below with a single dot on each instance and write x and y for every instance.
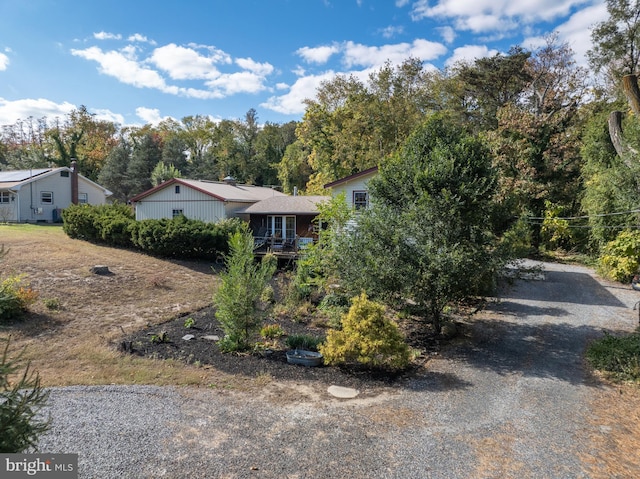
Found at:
(46, 197)
(83, 198)
(175, 213)
(282, 226)
(5, 197)
(64, 174)
(360, 199)
(177, 189)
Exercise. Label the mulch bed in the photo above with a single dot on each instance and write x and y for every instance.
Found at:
(272, 361)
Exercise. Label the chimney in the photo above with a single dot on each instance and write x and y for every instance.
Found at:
(74, 181)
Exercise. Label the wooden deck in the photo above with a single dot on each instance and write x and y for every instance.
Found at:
(288, 248)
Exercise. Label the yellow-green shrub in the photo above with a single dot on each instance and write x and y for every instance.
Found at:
(15, 298)
(368, 337)
(620, 258)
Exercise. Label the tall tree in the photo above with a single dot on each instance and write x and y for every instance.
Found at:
(146, 154)
(616, 42)
(428, 234)
(113, 175)
(351, 125)
(491, 83)
(537, 139)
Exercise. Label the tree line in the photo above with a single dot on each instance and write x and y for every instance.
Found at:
(543, 118)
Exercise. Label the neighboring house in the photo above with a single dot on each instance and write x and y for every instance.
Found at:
(209, 201)
(283, 224)
(354, 187)
(40, 195)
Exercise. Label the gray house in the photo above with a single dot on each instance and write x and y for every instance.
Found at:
(40, 195)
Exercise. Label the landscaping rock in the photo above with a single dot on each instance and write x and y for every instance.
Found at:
(188, 337)
(101, 270)
(342, 392)
(211, 337)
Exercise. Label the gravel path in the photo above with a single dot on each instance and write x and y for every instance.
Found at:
(511, 402)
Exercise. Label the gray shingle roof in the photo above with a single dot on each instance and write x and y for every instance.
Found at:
(299, 205)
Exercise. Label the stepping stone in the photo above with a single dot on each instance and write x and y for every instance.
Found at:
(342, 392)
(211, 337)
(188, 337)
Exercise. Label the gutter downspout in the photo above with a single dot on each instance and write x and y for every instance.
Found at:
(74, 181)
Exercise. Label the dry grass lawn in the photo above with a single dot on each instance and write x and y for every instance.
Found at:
(77, 344)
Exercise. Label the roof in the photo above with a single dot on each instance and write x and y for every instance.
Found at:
(349, 178)
(217, 189)
(287, 205)
(17, 176)
(15, 179)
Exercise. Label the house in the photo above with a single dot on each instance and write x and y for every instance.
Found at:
(40, 195)
(354, 187)
(209, 201)
(283, 224)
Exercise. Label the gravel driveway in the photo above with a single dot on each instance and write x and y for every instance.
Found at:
(511, 402)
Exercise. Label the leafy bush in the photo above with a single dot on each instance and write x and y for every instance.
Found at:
(617, 356)
(20, 401)
(15, 298)
(620, 258)
(367, 337)
(241, 286)
(271, 331)
(179, 237)
(304, 341)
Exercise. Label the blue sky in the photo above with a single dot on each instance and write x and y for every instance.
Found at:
(140, 61)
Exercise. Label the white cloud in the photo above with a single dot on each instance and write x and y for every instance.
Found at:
(123, 68)
(240, 82)
(184, 63)
(138, 37)
(291, 103)
(447, 33)
(371, 56)
(401, 3)
(318, 55)
(4, 62)
(490, 15)
(107, 36)
(108, 115)
(577, 30)
(469, 53)
(12, 111)
(391, 31)
(262, 69)
(150, 115)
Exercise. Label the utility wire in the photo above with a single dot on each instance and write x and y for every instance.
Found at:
(584, 217)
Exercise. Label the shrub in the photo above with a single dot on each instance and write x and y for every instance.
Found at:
(617, 356)
(241, 286)
(272, 331)
(15, 298)
(178, 237)
(367, 337)
(620, 258)
(20, 402)
(304, 341)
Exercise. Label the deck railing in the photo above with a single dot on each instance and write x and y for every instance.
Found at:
(288, 246)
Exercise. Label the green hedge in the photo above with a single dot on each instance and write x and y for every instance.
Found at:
(179, 237)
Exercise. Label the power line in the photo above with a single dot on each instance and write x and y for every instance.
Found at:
(583, 217)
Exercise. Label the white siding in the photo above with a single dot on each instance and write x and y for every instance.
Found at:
(348, 187)
(194, 205)
(95, 195)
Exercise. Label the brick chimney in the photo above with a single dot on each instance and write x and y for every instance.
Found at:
(74, 181)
